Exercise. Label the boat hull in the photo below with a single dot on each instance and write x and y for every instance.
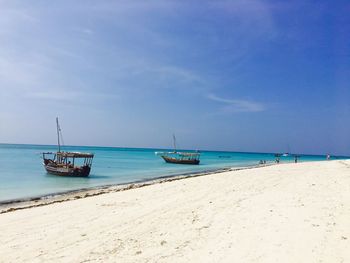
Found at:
(83, 171)
(179, 161)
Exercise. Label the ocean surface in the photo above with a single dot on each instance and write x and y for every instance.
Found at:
(22, 174)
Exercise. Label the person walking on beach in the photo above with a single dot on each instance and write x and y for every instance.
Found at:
(277, 155)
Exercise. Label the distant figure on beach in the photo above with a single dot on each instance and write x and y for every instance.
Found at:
(277, 160)
(295, 159)
(328, 156)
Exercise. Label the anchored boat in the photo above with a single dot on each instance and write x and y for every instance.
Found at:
(74, 164)
(180, 157)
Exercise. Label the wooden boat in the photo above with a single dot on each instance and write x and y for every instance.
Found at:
(67, 163)
(64, 163)
(180, 157)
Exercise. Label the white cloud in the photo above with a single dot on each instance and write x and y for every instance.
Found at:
(83, 30)
(164, 74)
(237, 105)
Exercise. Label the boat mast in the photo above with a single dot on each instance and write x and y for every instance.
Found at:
(174, 140)
(58, 135)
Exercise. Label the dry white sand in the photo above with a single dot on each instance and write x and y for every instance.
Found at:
(282, 213)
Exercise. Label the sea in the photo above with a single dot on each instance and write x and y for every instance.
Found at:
(23, 176)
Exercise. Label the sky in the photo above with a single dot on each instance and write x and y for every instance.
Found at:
(240, 75)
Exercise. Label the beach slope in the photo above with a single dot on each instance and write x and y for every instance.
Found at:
(281, 213)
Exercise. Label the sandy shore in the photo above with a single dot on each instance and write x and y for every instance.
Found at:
(282, 213)
(30, 202)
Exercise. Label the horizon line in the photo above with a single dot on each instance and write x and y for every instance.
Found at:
(156, 148)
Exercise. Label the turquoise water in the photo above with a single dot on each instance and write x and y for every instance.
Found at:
(22, 174)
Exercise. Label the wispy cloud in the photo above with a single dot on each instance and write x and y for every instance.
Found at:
(70, 96)
(165, 74)
(237, 105)
(83, 30)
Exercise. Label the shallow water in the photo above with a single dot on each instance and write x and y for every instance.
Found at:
(22, 174)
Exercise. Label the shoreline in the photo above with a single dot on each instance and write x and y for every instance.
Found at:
(7, 206)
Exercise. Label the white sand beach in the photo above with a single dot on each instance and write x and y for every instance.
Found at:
(281, 213)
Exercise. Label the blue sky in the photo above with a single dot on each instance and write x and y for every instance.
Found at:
(245, 75)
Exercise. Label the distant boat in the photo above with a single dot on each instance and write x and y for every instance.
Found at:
(180, 157)
(286, 154)
(65, 163)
